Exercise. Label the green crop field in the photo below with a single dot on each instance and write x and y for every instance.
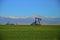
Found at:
(26, 32)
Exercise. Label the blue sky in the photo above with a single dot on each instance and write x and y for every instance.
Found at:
(30, 7)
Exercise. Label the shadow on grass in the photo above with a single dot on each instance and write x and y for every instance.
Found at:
(58, 36)
(1, 36)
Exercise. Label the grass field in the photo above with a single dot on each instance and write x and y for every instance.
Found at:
(26, 32)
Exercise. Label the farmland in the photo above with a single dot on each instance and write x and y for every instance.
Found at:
(27, 32)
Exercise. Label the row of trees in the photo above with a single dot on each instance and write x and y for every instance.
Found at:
(37, 21)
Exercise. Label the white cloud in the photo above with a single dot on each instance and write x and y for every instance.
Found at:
(35, 15)
(14, 17)
(24, 17)
(49, 17)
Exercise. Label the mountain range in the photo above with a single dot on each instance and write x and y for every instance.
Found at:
(28, 20)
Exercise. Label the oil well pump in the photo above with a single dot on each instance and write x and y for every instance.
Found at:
(37, 21)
